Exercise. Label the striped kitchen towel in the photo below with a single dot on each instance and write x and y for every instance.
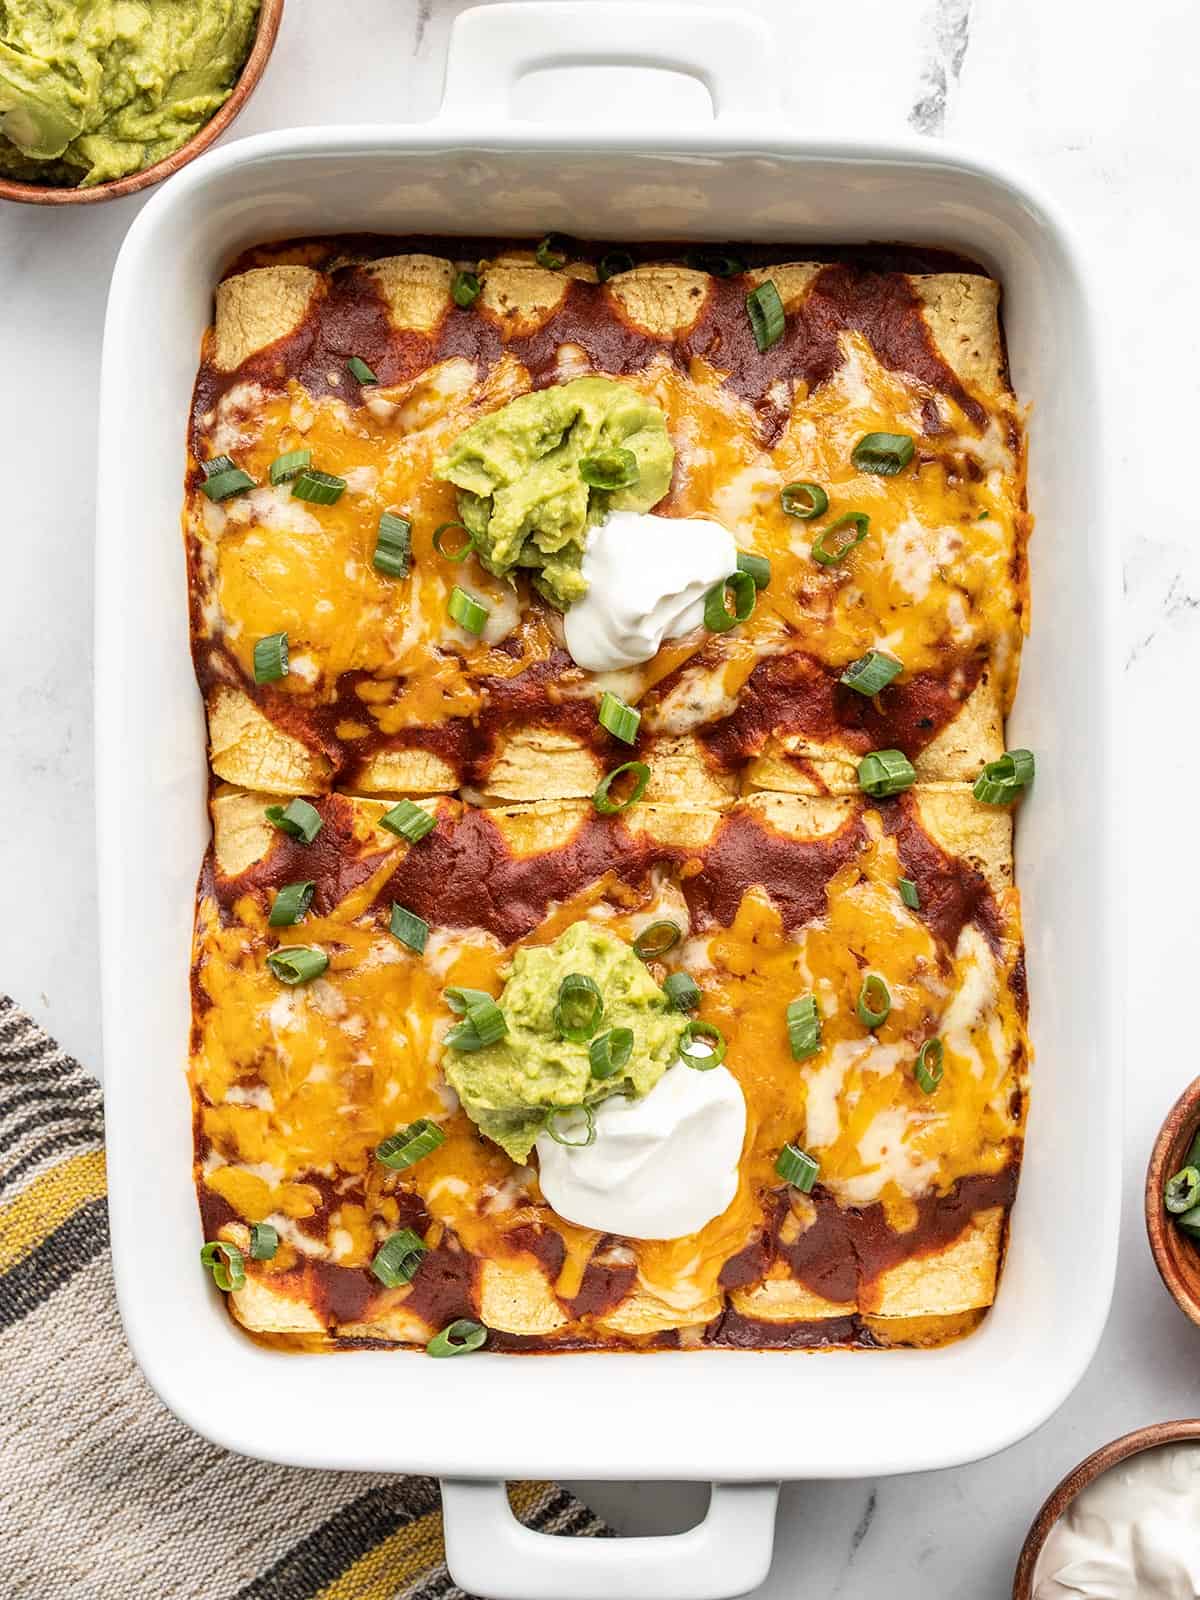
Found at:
(105, 1495)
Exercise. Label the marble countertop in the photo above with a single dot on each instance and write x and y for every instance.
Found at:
(1100, 113)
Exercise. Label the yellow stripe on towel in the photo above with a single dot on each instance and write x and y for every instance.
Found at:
(47, 1203)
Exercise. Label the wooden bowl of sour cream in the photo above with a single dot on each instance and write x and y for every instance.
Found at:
(1081, 1478)
(40, 194)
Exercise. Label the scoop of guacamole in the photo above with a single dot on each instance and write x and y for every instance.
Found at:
(508, 1087)
(94, 89)
(521, 492)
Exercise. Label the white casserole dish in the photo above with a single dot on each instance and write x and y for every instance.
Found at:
(739, 1418)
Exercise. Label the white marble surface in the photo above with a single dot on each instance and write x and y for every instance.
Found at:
(1098, 103)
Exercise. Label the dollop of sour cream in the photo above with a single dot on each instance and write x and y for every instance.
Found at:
(647, 577)
(1134, 1534)
(660, 1167)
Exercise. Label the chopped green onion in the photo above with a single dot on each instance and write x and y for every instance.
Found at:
(612, 262)
(765, 310)
(321, 488)
(930, 1065)
(797, 1167)
(1193, 1156)
(297, 819)
(589, 1136)
(610, 469)
(484, 1023)
(706, 1034)
(551, 253)
(1001, 781)
(264, 1241)
(909, 894)
(715, 262)
(579, 1007)
(682, 990)
(286, 466)
(466, 289)
(410, 821)
(872, 672)
(885, 772)
(884, 454)
(359, 369)
(462, 551)
(393, 545)
(460, 1000)
(216, 464)
(1189, 1222)
(656, 939)
(467, 611)
(620, 720)
(855, 524)
(290, 904)
(717, 616)
(410, 929)
(404, 1149)
(459, 1339)
(271, 658)
(297, 963)
(1182, 1191)
(803, 500)
(398, 1257)
(227, 482)
(804, 1027)
(602, 800)
(758, 567)
(608, 1054)
(226, 1263)
(874, 1001)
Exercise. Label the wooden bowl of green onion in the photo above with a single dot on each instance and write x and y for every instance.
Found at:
(1173, 1202)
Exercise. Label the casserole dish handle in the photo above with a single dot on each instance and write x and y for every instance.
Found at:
(489, 1553)
(493, 48)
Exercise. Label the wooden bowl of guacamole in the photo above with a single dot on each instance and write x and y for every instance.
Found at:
(101, 98)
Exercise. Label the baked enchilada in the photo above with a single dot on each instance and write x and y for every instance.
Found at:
(609, 936)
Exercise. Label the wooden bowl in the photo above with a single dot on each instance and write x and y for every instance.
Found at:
(1175, 1255)
(1086, 1472)
(38, 194)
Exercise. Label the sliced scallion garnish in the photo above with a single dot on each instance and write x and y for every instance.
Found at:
(398, 1258)
(612, 262)
(797, 1167)
(834, 543)
(285, 467)
(602, 799)
(717, 616)
(930, 1065)
(758, 568)
(393, 545)
(804, 1027)
(551, 252)
(405, 1148)
(874, 1001)
(871, 673)
(610, 469)
(1182, 1191)
(909, 894)
(297, 963)
(320, 488)
(226, 1263)
(360, 370)
(619, 719)
(1001, 781)
(410, 929)
(765, 310)
(579, 1008)
(226, 482)
(461, 1338)
(483, 1021)
(885, 772)
(804, 500)
(656, 939)
(468, 612)
(297, 819)
(567, 1136)
(271, 658)
(716, 262)
(608, 1054)
(884, 454)
(290, 904)
(709, 1038)
(682, 990)
(264, 1241)
(411, 822)
(466, 289)
(460, 552)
